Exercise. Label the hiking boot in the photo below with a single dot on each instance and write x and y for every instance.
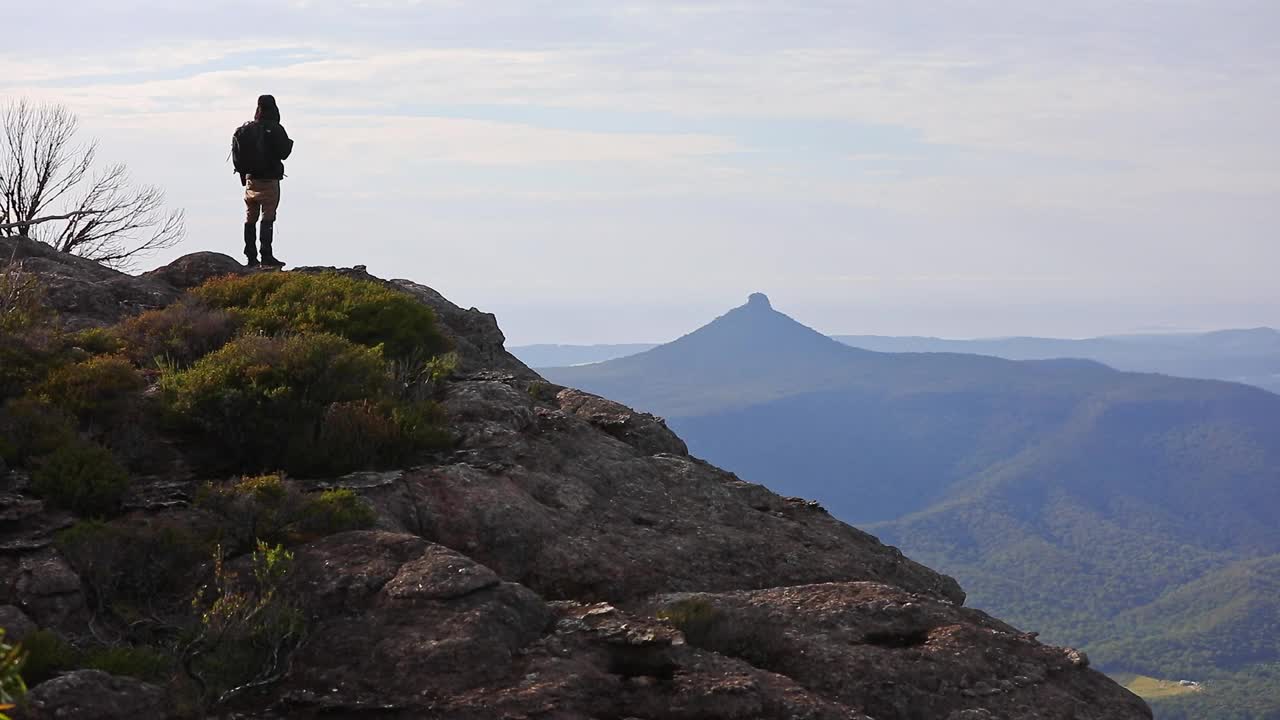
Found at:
(250, 244)
(268, 235)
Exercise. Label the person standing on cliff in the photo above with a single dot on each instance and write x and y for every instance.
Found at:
(258, 151)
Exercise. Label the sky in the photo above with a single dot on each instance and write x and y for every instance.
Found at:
(627, 170)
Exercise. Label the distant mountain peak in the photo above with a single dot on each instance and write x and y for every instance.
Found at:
(759, 300)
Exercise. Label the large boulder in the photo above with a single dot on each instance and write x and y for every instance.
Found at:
(95, 695)
(44, 587)
(195, 269)
(15, 623)
(644, 432)
(84, 292)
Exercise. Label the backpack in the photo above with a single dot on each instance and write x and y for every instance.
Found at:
(249, 148)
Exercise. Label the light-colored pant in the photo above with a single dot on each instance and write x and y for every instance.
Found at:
(261, 196)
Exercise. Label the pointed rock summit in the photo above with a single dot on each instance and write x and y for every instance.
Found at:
(752, 347)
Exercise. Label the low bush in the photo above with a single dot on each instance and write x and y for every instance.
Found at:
(247, 630)
(21, 298)
(82, 477)
(97, 341)
(136, 661)
(142, 563)
(12, 687)
(47, 654)
(176, 335)
(309, 404)
(31, 427)
(709, 628)
(97, 391)
(257, 508)
(335, 511)
(365, 434)
(30, 347)
(26, 359)
(365, 312)
(273, 509)
(261, 398)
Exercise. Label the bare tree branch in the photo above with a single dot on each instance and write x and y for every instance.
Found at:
(47, 218)
(108, 217)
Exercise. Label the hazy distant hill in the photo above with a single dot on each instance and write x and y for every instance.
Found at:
(538, 356)
(1101, 505)
(1248, 356)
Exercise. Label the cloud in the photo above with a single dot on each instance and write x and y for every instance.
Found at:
(919, 142)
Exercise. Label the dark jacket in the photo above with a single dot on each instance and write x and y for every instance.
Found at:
(278, 146)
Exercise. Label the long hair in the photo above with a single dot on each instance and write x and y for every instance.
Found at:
(267, 110)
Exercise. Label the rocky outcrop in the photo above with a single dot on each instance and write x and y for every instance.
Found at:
(44, 587)
(895, 654)
(412, 629)
(642, 431)
(85, 293)
(520, 575)
(547, 499)
(16, 624)
(94, 695)
(194, 270)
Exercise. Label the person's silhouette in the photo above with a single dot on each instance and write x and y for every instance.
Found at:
(258, 151)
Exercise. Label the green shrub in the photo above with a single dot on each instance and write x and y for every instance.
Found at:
(135, 661)
(709, 628)
(29, 345)
(97, 391)
(97, 341)
(31, 427)
(21, 298)
(82, 477)
(264, 508)
(275, 510)
(363, 311)
(12, 687)
(261, 397)
(178, 334)
(26, 359)
(364, 434)
(335, 511)
(47, 655)
(247, 631)
(310, 404)
(141, 563)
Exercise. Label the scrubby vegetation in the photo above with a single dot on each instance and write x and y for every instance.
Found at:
(307, 403)
(97, 391)
(364, 312)
(12, 687)
(82, 477)
(32, 427)
(47, 654)
(310, 375)
(176, 335)
(136, 568)
(274, 509)
(710, 628)
(246, 630)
